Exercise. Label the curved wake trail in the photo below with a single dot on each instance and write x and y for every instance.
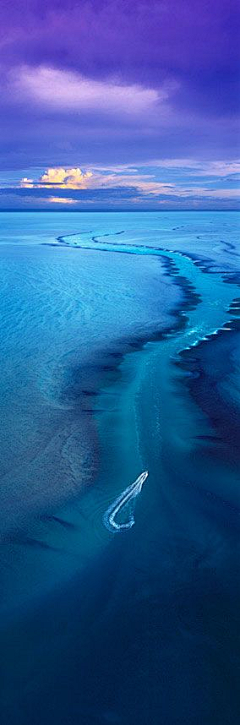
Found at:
(126, 497)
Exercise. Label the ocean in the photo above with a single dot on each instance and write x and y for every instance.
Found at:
(120, 355)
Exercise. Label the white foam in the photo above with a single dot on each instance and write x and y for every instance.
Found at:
(120, 502)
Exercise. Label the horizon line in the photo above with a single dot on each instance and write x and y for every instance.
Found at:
(135, 211)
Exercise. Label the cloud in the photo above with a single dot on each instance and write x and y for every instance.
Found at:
(61, 200)
(67, 90)
(58, 102)
(146, 185)
(202, 168)
(218, 193)
(75, 178)
(59, 177)
(119, 198)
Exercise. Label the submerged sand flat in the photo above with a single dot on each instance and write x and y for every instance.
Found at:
(60, 313)
(99, 627)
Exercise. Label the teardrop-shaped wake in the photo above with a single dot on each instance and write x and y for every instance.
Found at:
(126, 497)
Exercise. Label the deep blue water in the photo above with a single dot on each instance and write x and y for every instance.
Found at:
(120, 354)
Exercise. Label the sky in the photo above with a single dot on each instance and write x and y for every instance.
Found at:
(119, 104)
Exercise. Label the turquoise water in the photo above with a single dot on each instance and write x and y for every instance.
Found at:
(120, 354)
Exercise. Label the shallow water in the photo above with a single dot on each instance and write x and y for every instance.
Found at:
(131, 359)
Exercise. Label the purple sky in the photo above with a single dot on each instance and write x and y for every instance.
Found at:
(129, 104)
